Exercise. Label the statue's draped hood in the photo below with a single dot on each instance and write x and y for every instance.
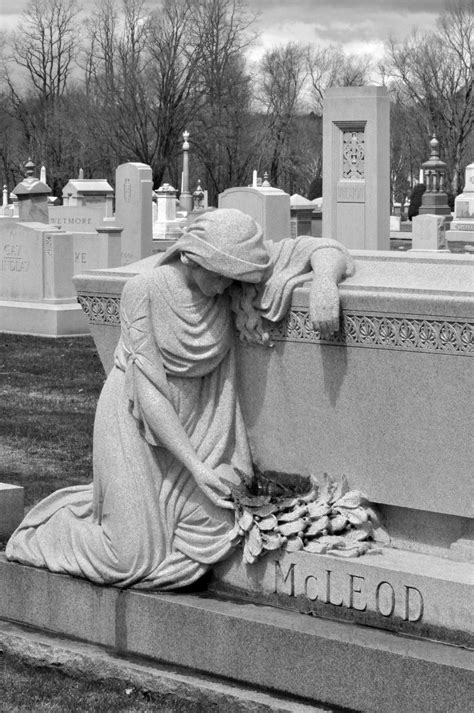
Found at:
(226, 241)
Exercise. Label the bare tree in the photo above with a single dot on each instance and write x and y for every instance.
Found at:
(43, 50)
(226, 137)
(284, 71)
(141, 77)
(434, 70)
(45, 45)
(331, 67)
(173, 75)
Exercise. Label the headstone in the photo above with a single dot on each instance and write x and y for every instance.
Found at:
(133, 210)
(356, 160)
(89, 192)
(301, 213)
(32, 195)
(166, 203)
(395, 221)
(6, 211)
(435, 199)
(14, 200)
(460, 236)
(78, 218)
(36, 290)
(428, 232)
(12, 501)
(269, 207)
(101, 249)
(199, 198)
(167, 227)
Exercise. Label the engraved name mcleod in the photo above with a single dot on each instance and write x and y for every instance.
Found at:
(327, 586)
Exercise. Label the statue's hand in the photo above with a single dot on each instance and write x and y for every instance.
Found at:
(324, 307)
(208, 481)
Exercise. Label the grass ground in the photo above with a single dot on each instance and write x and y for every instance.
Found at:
(48, 395)
(24, 689)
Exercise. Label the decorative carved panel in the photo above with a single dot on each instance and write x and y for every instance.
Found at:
(376, 331)
(386, 331)
(353, 154)
(101, 309)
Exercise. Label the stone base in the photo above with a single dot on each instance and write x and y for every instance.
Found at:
(282, 652)
(162, 244)
(460, 241)
(94, 663)
(12, 503)
(404, 592)
(43, 319)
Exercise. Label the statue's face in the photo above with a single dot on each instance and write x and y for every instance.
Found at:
(210, 283)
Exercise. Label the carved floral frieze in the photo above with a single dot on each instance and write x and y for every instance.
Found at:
(101, 309)
(376, 331)
(383, 332)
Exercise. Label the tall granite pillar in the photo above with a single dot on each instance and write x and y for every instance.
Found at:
(186, 199)
(356, 167)
(133, 210)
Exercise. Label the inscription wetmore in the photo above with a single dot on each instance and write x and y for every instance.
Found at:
(345, 589)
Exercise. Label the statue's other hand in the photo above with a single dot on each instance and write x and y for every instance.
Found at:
(208, 481)
(324, 307)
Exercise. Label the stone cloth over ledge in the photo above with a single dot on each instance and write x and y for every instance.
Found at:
(144, 521)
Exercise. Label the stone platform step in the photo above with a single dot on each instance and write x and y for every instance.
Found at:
(94, 663)
(280, 652)
(407, 592)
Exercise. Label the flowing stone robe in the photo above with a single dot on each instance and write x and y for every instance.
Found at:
(144, 521)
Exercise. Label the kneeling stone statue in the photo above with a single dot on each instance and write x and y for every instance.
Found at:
(169, 434)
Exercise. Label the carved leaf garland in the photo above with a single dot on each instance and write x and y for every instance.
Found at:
(327, 518)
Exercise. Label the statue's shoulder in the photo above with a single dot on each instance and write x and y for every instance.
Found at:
(143, 281)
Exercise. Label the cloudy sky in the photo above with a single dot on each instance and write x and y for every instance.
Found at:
(359, 25)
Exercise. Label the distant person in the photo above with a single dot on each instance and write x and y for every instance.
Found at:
(415, 200)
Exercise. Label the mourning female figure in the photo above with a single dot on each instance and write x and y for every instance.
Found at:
(168, 426)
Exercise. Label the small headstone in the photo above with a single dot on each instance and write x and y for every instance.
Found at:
(166, 203)
(269, 207)
(428, 232)
(199, 198)
(167, 227)
(395, 223)
(301, 211)
(6, 211)
(12, 501)
(460, 237)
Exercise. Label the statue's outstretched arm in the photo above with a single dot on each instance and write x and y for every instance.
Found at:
(329, 266)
